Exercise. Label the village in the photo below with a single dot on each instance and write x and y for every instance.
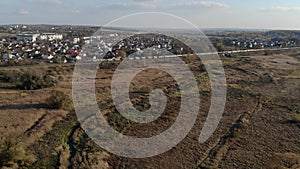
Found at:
(52, 44)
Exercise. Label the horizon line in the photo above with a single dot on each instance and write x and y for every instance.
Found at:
(178, 28)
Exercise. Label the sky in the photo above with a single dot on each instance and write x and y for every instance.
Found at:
(258, 14)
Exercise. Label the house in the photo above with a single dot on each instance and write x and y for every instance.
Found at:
(76, 40)
(7, 56)
(47, 57)
(78, 58)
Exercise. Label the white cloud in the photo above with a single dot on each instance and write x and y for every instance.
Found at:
(23, 12)
(75, 11)
(57, 1)
(280, 8)
(154, 4)
(46, 1)
(146, 1)
(136, 5)
(210, 4)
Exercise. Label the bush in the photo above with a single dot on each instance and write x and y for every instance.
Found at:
(296, 118)
(12, 76)
(14, 62)
(33, 80)
(30, 80)
(13, 155)
(60, 99)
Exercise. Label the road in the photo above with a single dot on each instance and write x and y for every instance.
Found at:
(212, 53)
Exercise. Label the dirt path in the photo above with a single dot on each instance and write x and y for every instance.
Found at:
(216, 153)
(42, 126)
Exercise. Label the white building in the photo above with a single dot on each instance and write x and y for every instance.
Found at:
(26, 36)
(76, 40)
(50, 36)
(8, 56)
(47, 57)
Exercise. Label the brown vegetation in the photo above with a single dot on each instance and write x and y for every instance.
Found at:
(60, 99)
(261, 118)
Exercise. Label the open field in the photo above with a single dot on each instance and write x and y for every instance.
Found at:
(260, 127)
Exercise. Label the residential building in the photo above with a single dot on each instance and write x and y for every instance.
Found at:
(27, 36)
(50, 36)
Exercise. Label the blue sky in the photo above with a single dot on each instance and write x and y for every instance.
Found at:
(263, 14)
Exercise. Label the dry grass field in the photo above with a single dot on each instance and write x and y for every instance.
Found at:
(260, 127)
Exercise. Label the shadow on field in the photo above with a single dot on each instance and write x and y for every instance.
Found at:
(24, 106)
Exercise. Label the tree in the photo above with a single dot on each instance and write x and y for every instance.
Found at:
(220, 45)
(60, 99)
(32, 80)
(122, 54)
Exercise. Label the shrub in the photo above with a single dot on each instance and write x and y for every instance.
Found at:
(14, 62)
(122, 54)
(33, 80)
(13, 155)
(296, 118)
(12, 76)
(60, 99)
(30, 80)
